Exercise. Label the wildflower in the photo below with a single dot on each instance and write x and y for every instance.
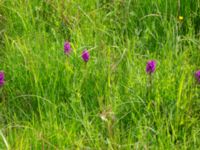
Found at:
(67, 48)
(2, 81)
(85, 55)
(180, 18)
(197, 76)
(151, 66)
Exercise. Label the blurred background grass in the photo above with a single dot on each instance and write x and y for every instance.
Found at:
(51, 101)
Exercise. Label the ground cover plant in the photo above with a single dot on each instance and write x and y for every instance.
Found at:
(99, 74)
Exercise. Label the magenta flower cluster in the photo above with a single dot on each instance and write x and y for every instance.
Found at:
(67, 51)
(151, 66)
(67, 48)
(197, 76)
(85, 55)
(2, 80)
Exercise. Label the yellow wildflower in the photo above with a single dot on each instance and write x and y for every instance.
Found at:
(180, 18)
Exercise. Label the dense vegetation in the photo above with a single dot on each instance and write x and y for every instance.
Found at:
(51, 100)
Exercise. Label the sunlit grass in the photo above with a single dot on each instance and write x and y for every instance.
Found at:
(56, 101)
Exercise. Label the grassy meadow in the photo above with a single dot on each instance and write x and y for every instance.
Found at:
(51, 100)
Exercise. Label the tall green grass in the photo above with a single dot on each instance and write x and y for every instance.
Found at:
(51, 101)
